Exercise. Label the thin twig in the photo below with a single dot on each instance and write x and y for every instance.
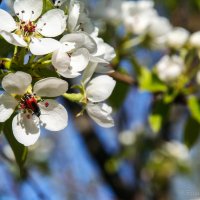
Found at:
(124, 78)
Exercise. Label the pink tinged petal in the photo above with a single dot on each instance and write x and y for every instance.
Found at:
(28, 10)
(7, 106)
(60, 60)
(79, 60)
(50, 87)
(100, 88)
(7, 23)
(26, 128)
(53, 117)
(43, 46)
(101, 114)
(82, 40)
(13, 38)
(74, 13)
(52, 23)
(16, 83)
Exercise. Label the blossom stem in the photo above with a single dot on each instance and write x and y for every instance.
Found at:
(132, 42)
(44, 58)
(74, 97)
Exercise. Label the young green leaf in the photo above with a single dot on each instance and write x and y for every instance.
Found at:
(19, 150)
(194, 107)
(158, 116)
(191, 133)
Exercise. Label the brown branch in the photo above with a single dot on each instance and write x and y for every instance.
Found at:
(124, 78)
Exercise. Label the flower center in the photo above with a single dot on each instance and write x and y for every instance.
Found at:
(26, 29)
(30, 103)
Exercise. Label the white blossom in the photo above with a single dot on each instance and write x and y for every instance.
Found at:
(177, 38)
(158, 35)
(194, 40)
(26, 32)
(97, 91)
(33, 111)
(78, 19)
(108, 10)
(170, 68)
(74, 54)
(137, 16)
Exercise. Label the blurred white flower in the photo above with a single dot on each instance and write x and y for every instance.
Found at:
(177, 150)
(158, 30)
(33, 110)
(27, 32)
(177, 38)
(108, 10)
(97, 91)
(170, 68)
(198, 77)
(127, 137)
(137, 16)
(194, 40)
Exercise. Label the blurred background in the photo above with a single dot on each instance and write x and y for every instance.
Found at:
(127, 162)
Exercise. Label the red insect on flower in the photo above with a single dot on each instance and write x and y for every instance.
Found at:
(30, 102)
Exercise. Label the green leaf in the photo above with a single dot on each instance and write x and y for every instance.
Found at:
(194, 107)
(119, 94)
(149, 81)
(1, 127)
(6, 48)
(158, 116)
(47, 5)
(19, 150)
(191, 133)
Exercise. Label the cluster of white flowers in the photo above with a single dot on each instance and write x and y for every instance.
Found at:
(142, 20)
(74, 48)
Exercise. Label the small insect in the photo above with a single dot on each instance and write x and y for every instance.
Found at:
(29, 102)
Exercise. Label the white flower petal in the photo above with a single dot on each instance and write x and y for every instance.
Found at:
(13, 38)
(69, 74)
(177, 37)
(74, 13)
(16, 83)
(28, 10)
(25, 128)
(194, 40)
(79, 59)
(7, 23)
(52, 23)
(50, 87)
(43, 46)
(88, 72)
(100, 88)
(82, 40)
(60, 60)
(104, 69)
(54, 117)
(68, 46)
(98, 59)
(101, 114)
(7, 106)
(104, 50)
